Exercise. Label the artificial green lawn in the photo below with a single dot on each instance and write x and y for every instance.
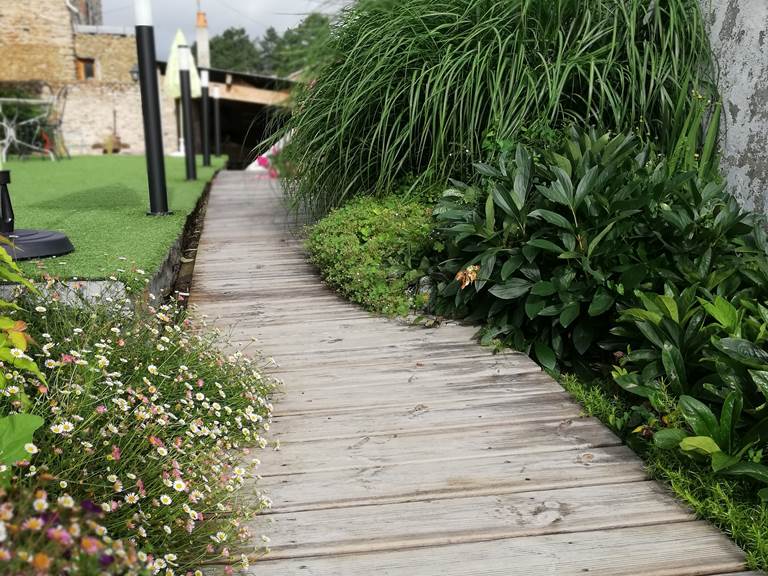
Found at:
(101, 202)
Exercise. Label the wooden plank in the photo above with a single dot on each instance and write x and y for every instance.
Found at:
(476, 519)
(413, 374)
(408, 395)
(680, 549)
(494, 474)
(450, 414)
(456, 366)
(437, 444)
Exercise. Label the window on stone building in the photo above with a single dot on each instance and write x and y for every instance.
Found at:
(86, 68)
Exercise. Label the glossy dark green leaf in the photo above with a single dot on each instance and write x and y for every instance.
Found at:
(730, 416)
(743, 351)
(699, 417)
(534, 305)
(669, 438)
(511, 289)
(723, 311)
(704, 445)
(530, 252)
(583, 336)
(634, 385)
(597, 239)
(704, 263)
(486, 170)
(632, 278)
(543, 288)
(503, 200)
(601, 302)
(487, 265)
(552, 218)
(563, 164)
(760, 379)
(585, 186)
(674, 364)
(522, 177)
(552, 310)
(511, 266)
(546, 245)
(569, 314)
(722, 461)
(490, 215)
(545, 356)
(752, 470)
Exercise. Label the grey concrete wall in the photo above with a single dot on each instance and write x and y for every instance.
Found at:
(739, 35)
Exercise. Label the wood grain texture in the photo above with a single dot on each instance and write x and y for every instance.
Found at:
(406, 451)
(680, 549)
(474, 519)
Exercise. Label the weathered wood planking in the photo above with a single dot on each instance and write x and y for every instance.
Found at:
(475, 519)
(679, 549)
(406, 451)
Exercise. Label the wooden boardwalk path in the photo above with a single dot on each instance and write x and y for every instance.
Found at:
(407, 451)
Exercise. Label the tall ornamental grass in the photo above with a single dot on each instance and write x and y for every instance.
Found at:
(413, 88)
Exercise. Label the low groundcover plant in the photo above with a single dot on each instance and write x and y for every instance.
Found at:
(146, 437)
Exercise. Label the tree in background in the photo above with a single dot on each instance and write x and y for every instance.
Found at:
(269, 47)
(273, 53)
(234, 50)
(299, 46)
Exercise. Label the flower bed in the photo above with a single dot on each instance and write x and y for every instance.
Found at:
(144, 429)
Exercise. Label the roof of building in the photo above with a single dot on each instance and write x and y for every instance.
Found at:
(111, 30)
(247, 88)
(256, 80)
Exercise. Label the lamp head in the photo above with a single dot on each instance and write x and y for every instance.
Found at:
(143, 11)
(184, 58)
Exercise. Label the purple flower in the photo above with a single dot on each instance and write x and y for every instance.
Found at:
(90, 507)
(105, 560)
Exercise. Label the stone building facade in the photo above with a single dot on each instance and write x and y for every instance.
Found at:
(63, 46)
(37, 41)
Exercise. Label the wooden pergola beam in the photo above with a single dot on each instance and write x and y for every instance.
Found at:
(249, 94)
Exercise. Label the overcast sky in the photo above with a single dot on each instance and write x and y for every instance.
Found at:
(253, 15)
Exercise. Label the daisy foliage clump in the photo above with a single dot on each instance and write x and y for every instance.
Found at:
(145, 434)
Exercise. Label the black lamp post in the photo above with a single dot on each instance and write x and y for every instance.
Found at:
(150, 104)
(206, 115)
(185, 56)
(217, 121)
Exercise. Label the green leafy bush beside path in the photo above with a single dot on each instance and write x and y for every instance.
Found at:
(373, 252)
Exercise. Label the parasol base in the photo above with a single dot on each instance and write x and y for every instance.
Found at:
(28, 244)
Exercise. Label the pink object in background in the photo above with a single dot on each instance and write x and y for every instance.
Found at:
(263, 164)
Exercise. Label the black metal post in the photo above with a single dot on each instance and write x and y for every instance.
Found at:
(206, 118)
(186, 112)
(217, 122)
(150, 104)
(6, 208)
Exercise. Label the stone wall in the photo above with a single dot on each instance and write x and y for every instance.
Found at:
(739, 35)
(94, 107)
(36, 41)
(115, 55)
